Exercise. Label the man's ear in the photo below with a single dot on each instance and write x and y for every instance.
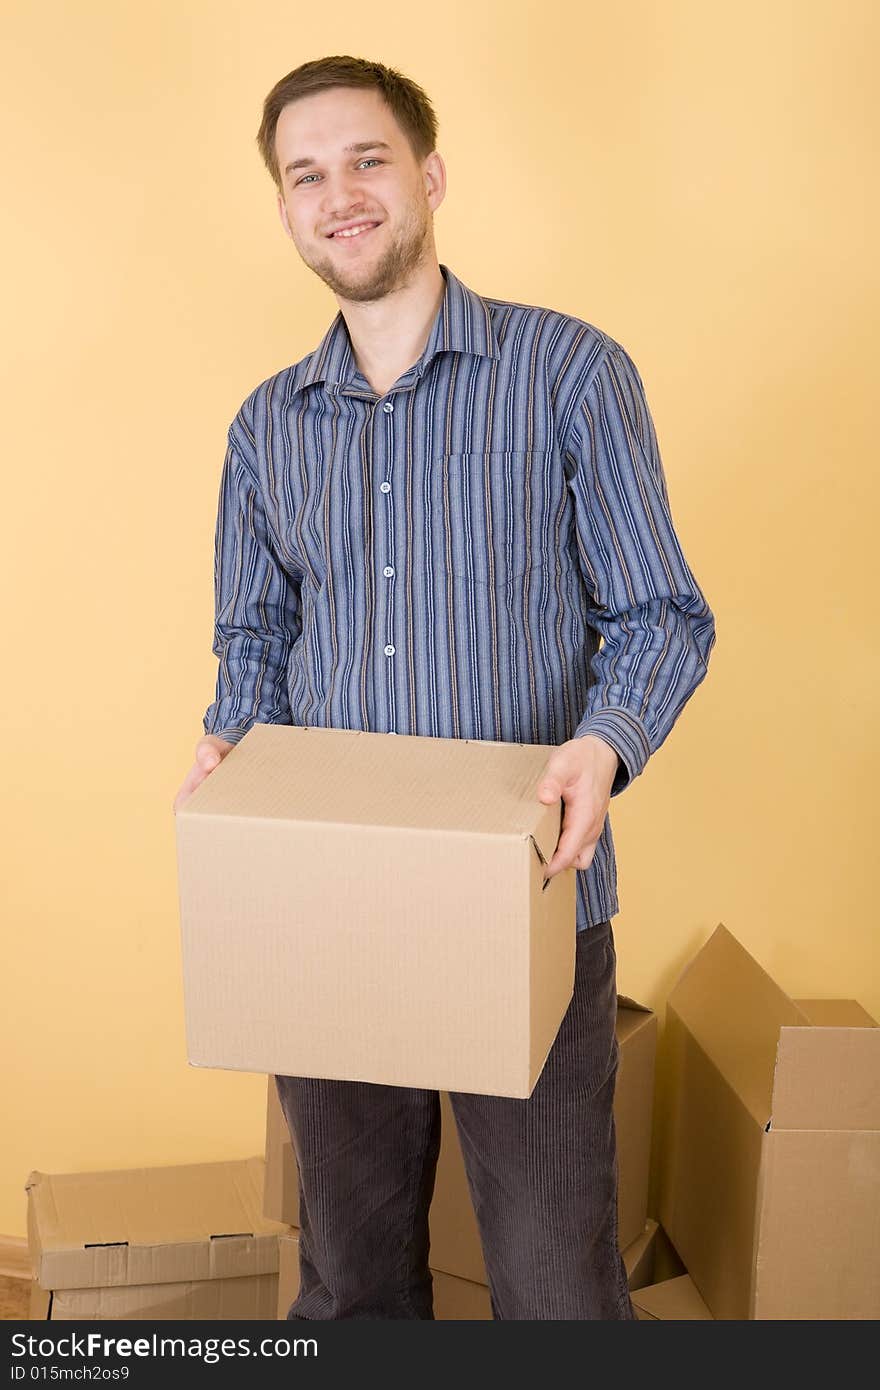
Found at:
(282, 212)
(435, 180)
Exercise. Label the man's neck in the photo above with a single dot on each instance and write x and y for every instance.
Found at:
(391, 333)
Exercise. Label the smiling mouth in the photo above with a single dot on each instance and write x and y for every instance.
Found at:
(354, 233)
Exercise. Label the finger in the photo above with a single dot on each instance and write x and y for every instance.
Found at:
(194, 778)
(550, 789)
(578, 833)
(582, 860)
(585, 858)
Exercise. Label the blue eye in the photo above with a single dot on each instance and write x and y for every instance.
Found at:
(369, 160)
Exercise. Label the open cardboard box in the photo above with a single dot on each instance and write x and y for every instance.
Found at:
(373, 907)
(771, 1171)
(181, 1242)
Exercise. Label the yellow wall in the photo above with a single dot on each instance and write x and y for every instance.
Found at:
(698, 180)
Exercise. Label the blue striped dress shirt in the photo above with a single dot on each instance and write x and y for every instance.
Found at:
(486, 551)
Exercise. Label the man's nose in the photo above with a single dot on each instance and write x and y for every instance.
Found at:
(343, 195)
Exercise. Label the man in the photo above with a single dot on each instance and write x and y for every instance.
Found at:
(425, 526)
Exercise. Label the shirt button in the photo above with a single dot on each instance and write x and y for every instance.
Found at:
(389, 650)
(388, 571)
(388, 408)
(384, 487)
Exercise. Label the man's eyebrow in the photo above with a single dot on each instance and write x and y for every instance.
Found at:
(360, 147)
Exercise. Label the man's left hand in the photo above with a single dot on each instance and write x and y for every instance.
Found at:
(582, 773)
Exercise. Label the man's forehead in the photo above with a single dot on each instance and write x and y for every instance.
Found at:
(336, 113)
(307, 129)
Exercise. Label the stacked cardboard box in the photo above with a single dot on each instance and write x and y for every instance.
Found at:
(770, 1177)
(150, 1243)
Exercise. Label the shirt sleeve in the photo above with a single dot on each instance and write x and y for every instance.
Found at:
(257, 613)
(656, 627)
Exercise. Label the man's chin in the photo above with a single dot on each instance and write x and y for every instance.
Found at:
(360, 291)
(348, 286)
(361, 284)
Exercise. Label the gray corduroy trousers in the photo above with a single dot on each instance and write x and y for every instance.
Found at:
(542, 1174)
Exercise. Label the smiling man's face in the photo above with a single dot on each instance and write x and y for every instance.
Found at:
(344, 162)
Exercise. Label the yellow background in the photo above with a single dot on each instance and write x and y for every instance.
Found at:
(697, 179)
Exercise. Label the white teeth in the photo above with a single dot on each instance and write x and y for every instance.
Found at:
(355, 231)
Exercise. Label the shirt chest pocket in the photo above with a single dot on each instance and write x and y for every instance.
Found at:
(488, 510)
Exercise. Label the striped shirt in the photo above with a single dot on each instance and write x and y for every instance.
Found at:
(444, 559)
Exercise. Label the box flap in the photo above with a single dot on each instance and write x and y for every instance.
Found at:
(827, 1078)
(402, 781)
(836, 1013)
(675, 1300)
(150, 1225)
(735, 1011)
(638, 1257)
(632, 1020)
(624, 1002)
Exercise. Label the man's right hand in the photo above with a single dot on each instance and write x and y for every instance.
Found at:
(210, 752)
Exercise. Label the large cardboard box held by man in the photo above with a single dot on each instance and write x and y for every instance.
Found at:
(455, 1240)
(771, 1169)
(182, 1242)
(373, 907)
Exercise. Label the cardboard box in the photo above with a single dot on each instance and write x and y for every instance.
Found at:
(40, 1303)
(640, 1257)
(373, 907)
(667, 1263)
(769, 1188)
(151, 1243)
(673, 1300)
(460, 1299)
(288, 1271)
(455, 1241)
(251, 1298)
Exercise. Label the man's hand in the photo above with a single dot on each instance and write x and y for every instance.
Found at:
(582, 773)
(210, 752)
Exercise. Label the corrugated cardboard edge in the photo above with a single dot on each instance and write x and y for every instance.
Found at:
(35, 1179)
(674, 1300)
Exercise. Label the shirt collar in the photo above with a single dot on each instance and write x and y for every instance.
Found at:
(463, 324)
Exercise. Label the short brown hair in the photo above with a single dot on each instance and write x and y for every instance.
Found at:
(409, 105)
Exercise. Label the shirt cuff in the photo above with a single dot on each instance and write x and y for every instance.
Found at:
(624, 733)
(233, 735)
